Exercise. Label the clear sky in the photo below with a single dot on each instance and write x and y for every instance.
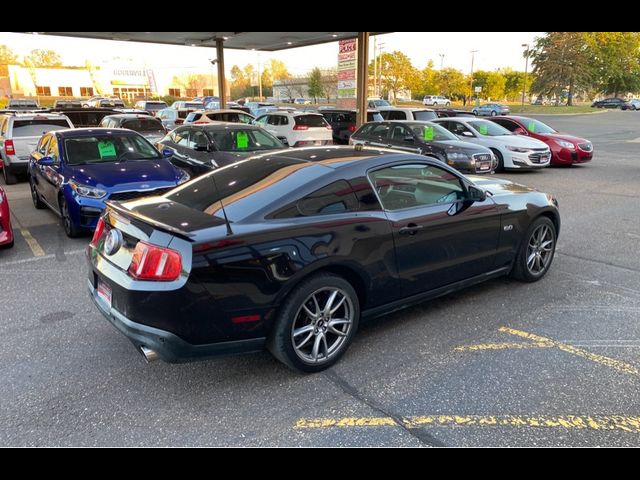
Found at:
(495, 50)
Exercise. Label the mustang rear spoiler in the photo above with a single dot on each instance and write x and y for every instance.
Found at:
(161, 226)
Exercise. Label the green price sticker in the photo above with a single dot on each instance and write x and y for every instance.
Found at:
(483, 129)
(242, 140)
(428, 133)
(106, 149)
(531, 127)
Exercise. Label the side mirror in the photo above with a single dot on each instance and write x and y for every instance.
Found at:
(520, 131)
(476, 194)
(466, 133)
(201, 147)
(167, 153)
(46, 162)
(409, 138)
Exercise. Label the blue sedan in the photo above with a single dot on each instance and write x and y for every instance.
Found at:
(491, 109)
(73, 172)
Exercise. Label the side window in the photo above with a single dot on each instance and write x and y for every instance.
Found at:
(3, 126)
(274, 120)
(284, 120)
(415, 185)
(381, 130)
(399, 133)
(508, 124)
(42, 145)
(337, 197)
(242, 118)
(262, 120)
(52, 149)
(182, 137)
(198, 138)
(366, 129)
(396, 115)
(460, 129)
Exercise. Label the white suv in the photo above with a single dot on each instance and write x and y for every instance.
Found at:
(436, 100)
(19, 135)
(297, 129)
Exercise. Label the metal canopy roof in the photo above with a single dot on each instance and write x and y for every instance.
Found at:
(265, 41)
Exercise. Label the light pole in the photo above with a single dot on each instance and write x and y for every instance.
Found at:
(441, 60)
(526, 67)
(378, 83)
(473, 52)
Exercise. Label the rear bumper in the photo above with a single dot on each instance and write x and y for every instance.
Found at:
(169, 347)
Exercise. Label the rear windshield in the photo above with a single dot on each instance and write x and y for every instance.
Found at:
(424, 115)
(193, 117)
(35, 128)
(311, 120)
(192, 105)
(246, 186)
(155, 105)
(23, 103)
(144, 125)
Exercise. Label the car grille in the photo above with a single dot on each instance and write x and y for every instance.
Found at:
(540, 156)
(585, 147)
(124, 196)
(482, 157)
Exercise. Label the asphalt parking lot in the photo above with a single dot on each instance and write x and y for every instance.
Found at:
(555, 363)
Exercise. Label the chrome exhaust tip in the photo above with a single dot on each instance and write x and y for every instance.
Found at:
(148, 354)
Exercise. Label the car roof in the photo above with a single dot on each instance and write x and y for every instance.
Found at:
(218, 110)
(89, 131)
(132, 115)
(224, 126)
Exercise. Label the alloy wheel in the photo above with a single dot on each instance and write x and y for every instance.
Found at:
(322, 325)
(540, 249)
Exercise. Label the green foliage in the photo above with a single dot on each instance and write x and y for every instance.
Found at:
(492, 83)
(396, 72)
(43, 59)
(316, 89)
(6, 57)
(451, 83)
(615, 60)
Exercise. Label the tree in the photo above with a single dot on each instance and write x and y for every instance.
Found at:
(514, 83)
(315, 84)
(7, 57)
(330, 83)
(492, 83)
(425, 82)
(192, 82)
(561, 61)
(240, 84)
(451, 82)
(396, 72)
(43, 59)
(615, 60)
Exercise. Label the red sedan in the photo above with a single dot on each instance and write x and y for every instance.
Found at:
(6, 234)
(565, 149)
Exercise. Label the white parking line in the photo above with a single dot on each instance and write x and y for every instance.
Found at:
(34, 259)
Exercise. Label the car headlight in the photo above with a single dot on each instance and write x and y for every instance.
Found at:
(565, 144)
(184, 177)
(516, 149)
(85, 191)
(456, 156)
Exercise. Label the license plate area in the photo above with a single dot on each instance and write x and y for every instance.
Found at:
(104, 292)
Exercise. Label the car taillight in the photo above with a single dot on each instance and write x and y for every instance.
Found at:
(151, 262)
(9, 148)
(352, 127)
(301, 127)
(98, 233)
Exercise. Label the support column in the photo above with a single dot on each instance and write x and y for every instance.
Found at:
(222, 84)
(362, 78)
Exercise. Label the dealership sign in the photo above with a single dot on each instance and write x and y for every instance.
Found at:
(347, 58)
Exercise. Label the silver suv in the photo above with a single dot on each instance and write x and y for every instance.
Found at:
(435, 100)
(19, 135)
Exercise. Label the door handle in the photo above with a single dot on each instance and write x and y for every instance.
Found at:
(411, 229)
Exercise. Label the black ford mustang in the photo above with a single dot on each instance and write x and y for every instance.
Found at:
(289, 250)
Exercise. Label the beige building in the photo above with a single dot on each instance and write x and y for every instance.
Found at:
(109, 78)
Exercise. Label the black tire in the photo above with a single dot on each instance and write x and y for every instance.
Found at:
(292, 314)
(448, 104)
(67, 223)
(500, 166)
(35, 196)
(494, 113)
(523, 268)
(9, 178)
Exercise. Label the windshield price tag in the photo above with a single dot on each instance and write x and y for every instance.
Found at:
(483, 129)
(242, 140)
(428, 133)
(106, 149)
(531, 127)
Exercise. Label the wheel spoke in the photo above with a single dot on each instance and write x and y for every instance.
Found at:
(326, 347)
(339, 304)
(329, 304)
(315, 302)
(538, 265)
(299, 331)
(335, 331)
(530, 260)
(316, 347)
(309, 313)
(305, 341)
(547, 246)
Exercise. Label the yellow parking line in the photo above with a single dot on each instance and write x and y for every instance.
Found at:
(32, 242)
(601, 359)
(629, 424)
(500, 346)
